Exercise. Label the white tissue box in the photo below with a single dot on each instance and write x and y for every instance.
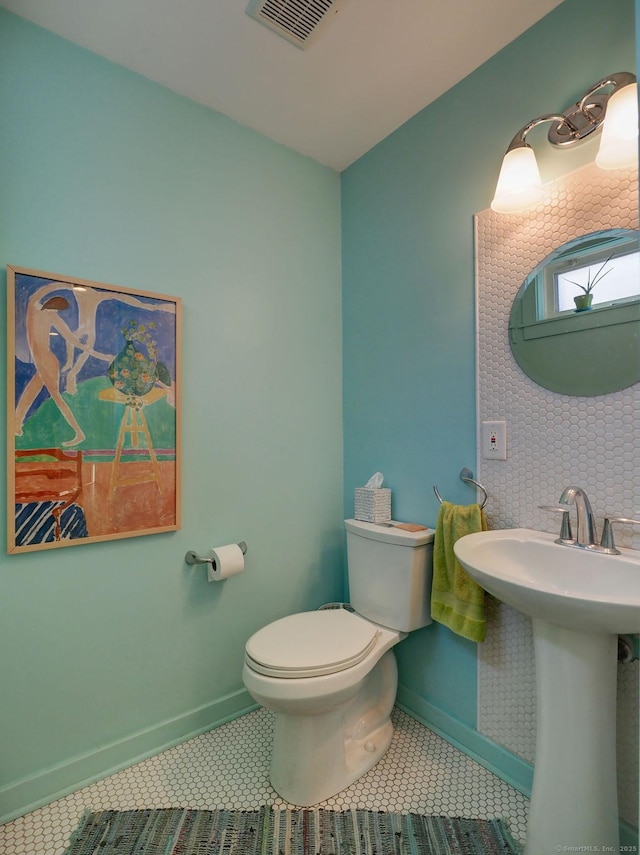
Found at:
(373, 505)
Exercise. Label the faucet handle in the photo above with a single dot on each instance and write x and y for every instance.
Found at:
(566, 535)
(607, 542)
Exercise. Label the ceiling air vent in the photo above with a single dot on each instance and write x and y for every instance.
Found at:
(295, 20)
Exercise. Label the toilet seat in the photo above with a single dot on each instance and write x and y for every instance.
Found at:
(310, 644)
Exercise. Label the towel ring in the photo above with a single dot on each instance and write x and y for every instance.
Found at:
(466, 475)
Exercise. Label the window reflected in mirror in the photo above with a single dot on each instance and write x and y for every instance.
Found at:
(610, 276)
(606, 268)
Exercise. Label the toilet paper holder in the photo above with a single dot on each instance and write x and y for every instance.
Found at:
(193, 558)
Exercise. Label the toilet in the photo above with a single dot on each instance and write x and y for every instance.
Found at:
(330, 676)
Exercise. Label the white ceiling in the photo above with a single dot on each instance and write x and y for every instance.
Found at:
(374, 65)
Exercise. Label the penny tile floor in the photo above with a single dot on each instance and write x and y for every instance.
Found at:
(229, 768)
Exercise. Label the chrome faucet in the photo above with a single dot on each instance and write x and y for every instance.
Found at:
(586, 534)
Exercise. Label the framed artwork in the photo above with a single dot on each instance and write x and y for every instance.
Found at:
(93, 411)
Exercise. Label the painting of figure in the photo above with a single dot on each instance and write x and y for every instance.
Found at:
(94, 416)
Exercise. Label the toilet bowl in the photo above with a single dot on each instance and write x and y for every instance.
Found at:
(332, 698)
(330, 675)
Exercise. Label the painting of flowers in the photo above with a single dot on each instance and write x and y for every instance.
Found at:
(93, 411)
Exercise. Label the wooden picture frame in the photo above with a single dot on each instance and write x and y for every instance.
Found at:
(93, 411)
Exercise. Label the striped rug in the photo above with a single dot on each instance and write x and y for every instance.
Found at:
(268, 831)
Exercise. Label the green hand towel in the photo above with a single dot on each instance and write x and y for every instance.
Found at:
(457, 600)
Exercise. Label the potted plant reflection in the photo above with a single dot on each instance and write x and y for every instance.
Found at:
(583, 301)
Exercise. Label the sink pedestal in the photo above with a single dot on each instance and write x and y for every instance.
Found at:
(574, 805)
(579, 600)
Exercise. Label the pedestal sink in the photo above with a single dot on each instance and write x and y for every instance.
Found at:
(579, 601)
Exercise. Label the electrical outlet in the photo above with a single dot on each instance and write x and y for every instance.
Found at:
(494, 440)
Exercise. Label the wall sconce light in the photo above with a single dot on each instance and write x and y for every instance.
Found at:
(519, 184)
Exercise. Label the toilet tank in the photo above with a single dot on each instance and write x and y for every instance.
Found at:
(390, 573)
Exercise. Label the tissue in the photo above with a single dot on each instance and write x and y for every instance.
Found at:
(373, 501)
(375, 482)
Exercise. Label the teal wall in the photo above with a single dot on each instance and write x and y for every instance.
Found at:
(112, 650)
(408, 297)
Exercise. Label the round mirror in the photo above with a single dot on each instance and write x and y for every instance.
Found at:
(574, 326)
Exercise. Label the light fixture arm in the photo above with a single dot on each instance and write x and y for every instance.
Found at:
(519, 140)
(622, 78)
(587, 114)
(580, 119)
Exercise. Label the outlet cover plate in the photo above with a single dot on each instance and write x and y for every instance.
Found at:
(493, 438)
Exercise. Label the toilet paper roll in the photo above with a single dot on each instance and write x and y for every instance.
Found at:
(225, 561)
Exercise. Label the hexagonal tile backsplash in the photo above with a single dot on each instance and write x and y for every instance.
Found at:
(553, 440)
(229, 768)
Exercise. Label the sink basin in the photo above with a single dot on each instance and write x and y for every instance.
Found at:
(579, 601)
(573, 588)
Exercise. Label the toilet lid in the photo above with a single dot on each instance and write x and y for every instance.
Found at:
(310, 644)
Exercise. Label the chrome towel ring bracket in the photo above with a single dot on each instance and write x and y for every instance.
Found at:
(466, 475)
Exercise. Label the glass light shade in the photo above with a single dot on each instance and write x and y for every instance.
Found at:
(619, 143)
(519, 185)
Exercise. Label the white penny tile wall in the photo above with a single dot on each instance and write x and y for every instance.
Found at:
(553, 441)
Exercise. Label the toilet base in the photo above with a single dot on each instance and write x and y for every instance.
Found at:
(316, 756)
